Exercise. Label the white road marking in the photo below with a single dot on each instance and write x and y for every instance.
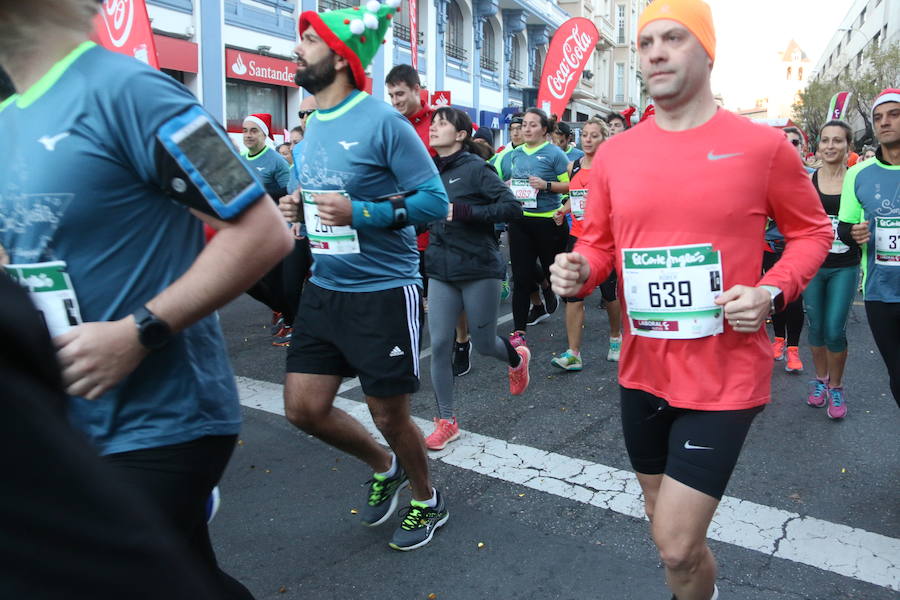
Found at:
(841, 549)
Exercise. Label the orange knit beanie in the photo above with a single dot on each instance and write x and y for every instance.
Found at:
(695, 15)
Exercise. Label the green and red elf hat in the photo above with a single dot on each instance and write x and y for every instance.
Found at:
(354, 33)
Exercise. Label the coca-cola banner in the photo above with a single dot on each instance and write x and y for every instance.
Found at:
(255, 67)
(569, 52)
(124, 27)
(414, 34)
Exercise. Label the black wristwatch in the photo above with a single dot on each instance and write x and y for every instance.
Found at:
(153, 332)
(549, 188)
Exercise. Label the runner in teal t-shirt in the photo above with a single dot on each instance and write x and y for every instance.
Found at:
(563, 137)
(267, 164)
(366, 179)
(537, 172)
(112, 168)
(870, 216)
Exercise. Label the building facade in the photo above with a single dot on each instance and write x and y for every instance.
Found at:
(867, 22)
(235, 55)
(787, 74)
(625, 82)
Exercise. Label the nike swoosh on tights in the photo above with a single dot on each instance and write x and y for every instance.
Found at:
(689, 446)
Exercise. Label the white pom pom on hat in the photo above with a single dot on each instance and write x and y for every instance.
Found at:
(357, 27)
(370, 21)
(393, 3)
(373, 6)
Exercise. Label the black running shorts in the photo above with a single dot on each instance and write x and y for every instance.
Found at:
(373, 335)
(698, 448)
(607, 288)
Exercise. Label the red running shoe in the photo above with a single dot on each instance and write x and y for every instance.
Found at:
(778, 348)
(445, 431)
(793, 365)
(519, 377)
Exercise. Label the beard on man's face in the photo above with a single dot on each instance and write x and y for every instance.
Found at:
(316, 77)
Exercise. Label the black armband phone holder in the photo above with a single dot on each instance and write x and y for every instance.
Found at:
(401, 215)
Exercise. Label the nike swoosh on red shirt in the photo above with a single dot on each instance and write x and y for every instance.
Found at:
(712, 156)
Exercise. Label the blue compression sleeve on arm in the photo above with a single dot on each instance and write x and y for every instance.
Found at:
(428, 204)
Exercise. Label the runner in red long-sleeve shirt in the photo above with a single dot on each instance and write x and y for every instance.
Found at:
(684, 228)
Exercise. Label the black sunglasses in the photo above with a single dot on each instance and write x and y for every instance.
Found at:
(305, 113)
(795, 142)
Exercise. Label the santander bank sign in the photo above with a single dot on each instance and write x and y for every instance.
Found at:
(567, 57)
(255, 67)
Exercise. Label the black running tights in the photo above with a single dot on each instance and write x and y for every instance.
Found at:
(530, 239)
(178, 479)
(280, 288)
(884, 321)
(787, 323)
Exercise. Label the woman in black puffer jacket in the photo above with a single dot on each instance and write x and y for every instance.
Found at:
(464, 265)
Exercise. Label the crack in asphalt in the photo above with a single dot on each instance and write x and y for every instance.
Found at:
(851, 552)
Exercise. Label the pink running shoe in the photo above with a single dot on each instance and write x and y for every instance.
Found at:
(818, 393)
(445, 431)
(837, 408)
(519, 377)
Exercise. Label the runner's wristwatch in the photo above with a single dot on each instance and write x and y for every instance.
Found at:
(774, 292)
(153, 332)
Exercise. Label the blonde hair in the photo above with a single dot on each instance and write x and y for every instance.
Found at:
(604, 127)
(23, 25)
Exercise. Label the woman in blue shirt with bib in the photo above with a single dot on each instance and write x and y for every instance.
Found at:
(537, 174)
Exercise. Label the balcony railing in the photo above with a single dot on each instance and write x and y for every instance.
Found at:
(272, 17)
(335, 4)
(402, 32)
(516, 74)
(488, 64)
(185, 6)
(457, 53)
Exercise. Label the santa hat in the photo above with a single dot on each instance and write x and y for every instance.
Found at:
(264, 122)
(353, 33)
(888, 95)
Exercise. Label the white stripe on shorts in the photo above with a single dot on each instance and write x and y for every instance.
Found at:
(412, 320)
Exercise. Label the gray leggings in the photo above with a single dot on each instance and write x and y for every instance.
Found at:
(480, 300)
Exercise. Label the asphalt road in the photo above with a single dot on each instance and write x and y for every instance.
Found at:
(830, 489)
